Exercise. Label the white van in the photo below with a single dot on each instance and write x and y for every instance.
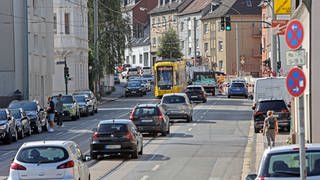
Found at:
(271, 87)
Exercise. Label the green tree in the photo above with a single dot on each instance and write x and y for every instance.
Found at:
(169, 45)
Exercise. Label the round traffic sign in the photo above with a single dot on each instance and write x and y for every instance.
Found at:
(294, 34)
(296, 82)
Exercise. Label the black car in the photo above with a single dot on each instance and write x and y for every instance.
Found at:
(281, 112)
(22, 122)
(196, 93)
(150, 118)
(36, 114)
(8, 131)
(134, 88)
(118, 136)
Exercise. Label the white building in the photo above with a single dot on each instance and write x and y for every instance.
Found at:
(71, 44)
(26, 50)
(139, 54)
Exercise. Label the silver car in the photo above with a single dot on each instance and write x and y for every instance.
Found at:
(177, 106)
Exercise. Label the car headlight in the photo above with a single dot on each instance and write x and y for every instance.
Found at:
(4, 126)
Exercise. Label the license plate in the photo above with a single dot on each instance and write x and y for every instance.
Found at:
(194, 96)
(146, 120)
(133, 91)
(113, 146)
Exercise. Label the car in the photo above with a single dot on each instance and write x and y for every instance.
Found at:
(22, 122)
(280, 109)
(148, 77)
(177, 106)
(8, 131)
(116, 78)
(49, 160)
(133, 77)
(116, 136)
(237, 89)
(196, 93)
(36, 114)
(132, 72)
(70, 107)
(283, 162)
(150, 118)
(144, 84)
(146, 70)
(85, 106)
(91, 96)
(134, 88)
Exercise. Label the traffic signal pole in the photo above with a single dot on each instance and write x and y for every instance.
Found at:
(66, 72)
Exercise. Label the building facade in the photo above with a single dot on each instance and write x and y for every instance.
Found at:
(70, 45)
(139, 53)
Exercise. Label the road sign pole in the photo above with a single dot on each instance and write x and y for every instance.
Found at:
(302, 150)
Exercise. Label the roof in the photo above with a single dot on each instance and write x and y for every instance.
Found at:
(235, 7)
(145, 41)
(174, 6)
(177, 94)
(46, 142)
(195, 6)
(118, 121)
(271, 99)
(294, 147)
(147, 105)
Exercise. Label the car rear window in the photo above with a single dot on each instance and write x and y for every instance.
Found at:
(240, 85)
(173, 99)
(194, 88)
(145, 111)
(286, 164)
(112, 128)
(80, 98)
(264, 106)
(42, 154)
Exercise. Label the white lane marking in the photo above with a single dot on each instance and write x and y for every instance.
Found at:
(60, 133)
(155, 167)
(189, 129)
(144, 177)
(194, 124)
(113, 109)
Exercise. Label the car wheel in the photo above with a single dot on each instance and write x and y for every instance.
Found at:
(204, 101)
(256, 130)
(8, 138)
(164, 133)
(213, 93)
(145, 93)
(189, 118)
(15, 138)
(246, 96)
(134, 155)
(228, 96)
(93, 156)
(96, 110)
(78, 115)
(141, 94)
(21, 134)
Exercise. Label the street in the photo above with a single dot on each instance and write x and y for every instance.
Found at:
(211, 147)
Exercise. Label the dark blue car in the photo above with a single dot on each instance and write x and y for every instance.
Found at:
(238, 89)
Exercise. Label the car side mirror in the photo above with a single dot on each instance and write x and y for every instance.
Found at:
(86, 158)
(251, 177)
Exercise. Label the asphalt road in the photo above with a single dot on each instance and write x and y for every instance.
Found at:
(211, 147)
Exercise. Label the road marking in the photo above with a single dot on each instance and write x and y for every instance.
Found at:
(113, 109)
(155, 167)
(60, 133)
(194, 124)
(144, 177)
(189, 129)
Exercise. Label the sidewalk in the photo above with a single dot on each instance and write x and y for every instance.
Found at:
(114, 95)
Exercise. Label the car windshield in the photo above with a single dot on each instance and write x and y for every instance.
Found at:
(173, 99)
(16, 114)
(237, 85)
(26, 106)
(80, 98)
(134, 84)
(112, 128)
(194, 88)
(277, 106)
(42, 154)
(287, 164)
(145, 111)
(3, 115)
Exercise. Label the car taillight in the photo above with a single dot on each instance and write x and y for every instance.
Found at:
(284, 110)
(260, 178)
(95, 136)
(160, 115)
(68, 164)
(131, 115)
(129, 136)
(258, 113)
(17, 166)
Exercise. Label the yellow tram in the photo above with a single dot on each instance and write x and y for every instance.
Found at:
(170, 77)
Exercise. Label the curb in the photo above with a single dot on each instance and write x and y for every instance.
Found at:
(247, 161)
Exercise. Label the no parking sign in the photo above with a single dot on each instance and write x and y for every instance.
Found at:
(296, 82)
(294, 34)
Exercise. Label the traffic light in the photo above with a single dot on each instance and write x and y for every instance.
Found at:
(66, 73)
(222, 27)
(278, 66)
(228, 23)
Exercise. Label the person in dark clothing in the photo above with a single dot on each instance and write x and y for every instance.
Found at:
(59, 109)
(50, 112)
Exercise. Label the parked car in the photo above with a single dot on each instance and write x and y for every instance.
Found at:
(281, 112)
(49, 160)
(237, 89)
(116, 78)
(146, 70)
(22, 122)
(148, 77)
(196, 93)
(283, 163)
(92, 97)
(8, 131)
(70, 107)
(150, 118)
(134, 88)
(36, 114)
(85, 106)
(114, 137)
(177, 106)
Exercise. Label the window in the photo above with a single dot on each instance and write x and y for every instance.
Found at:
(205, 28)
(220, 65)
(181, 26)
(127, 59)
(220, 45)
(134, 59)
(67, 23)
(205, 47)
(140, 58)
(146, 57)
(55, 23)
(197, 43)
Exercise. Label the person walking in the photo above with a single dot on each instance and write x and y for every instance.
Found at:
(50, 112)
(59, 109)
(270, 128)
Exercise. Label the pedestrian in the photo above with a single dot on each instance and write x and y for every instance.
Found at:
(50, 112)
(59, 109)
(270, 128)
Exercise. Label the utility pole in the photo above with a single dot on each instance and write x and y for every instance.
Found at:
(274, 43)
(237, 50)
(66, 74)
(96, 50)
(195, 39)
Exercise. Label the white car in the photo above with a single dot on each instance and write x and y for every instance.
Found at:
(283, 163)
(49, 160)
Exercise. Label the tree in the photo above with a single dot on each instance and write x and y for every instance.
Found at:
(169, 45)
